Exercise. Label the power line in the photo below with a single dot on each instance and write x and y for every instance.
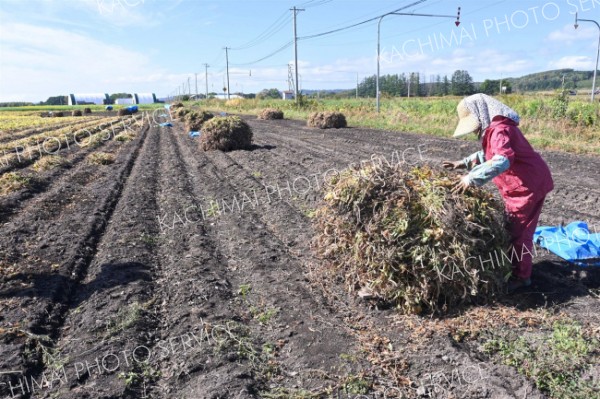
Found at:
(373, 12)
(359, 23)
(318, 3)
(275, 27)
(291, 42)
(439, 23)
(279, 50)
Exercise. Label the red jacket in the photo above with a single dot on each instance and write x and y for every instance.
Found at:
(528, 178)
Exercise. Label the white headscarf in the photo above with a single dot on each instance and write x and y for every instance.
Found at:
(485, 108)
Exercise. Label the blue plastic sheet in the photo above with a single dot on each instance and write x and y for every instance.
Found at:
(223, 113)
(574, 242)
(108, 107)
(132, 108)
(193, 134)
(165, 124)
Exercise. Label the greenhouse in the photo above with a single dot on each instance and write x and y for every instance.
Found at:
(85, 99)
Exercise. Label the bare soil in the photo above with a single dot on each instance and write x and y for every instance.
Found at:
(178, 273)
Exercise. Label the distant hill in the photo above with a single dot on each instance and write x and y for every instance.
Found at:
(552, 80)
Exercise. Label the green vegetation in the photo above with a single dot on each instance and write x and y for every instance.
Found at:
(556, 363)
(101, 158)
(13, 181)
(50, 162)
(553, 80)
(142, 373)
(269, 93)
(244, 290)
(125, 318)
(265, 315)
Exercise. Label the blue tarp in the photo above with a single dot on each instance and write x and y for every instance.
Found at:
(573, 242)
(223, 113)
(193, 134)
(165, 124)
(132, 108)
(108, 107)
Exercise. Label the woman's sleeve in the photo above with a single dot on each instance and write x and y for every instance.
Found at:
(486, 171)
(502, 157)
(474, 159)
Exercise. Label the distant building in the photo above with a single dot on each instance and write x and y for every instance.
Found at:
(127, 101)
(144, 98)
(86, 99)
(223, 96)
(288, 95)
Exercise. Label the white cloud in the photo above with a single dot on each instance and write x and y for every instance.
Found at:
(38, 62)
(577, 62)
(128, 13)
(569, 35)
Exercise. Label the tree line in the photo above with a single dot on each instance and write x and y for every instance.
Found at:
(415, 84)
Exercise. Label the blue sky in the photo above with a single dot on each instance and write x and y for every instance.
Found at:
(53, 47)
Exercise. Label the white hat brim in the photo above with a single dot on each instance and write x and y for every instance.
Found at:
(466, 125)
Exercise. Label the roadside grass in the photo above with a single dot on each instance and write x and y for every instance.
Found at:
(553, 122)
(557, 362)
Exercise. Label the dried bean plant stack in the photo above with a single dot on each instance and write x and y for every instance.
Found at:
(270, 114)
(226, 133)
(196, 118)
(327, 120)
(401, 233)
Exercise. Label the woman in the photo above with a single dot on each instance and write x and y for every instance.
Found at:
(519, 172)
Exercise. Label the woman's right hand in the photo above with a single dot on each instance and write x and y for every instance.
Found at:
(454, 165)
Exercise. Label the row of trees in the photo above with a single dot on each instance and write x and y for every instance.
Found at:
(414, 84)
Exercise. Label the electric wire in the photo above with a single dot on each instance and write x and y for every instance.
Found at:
(274, 28)
(279, 50)
(439, 23)
(359, 23)
(318, 3)
(281, 21)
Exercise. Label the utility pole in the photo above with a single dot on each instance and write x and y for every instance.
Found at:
(357, 85)
(196, 75)
(206, 79)
(227, 63)
(597, 52)
(295, 11)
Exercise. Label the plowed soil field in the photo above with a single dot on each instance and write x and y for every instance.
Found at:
(177, 273)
